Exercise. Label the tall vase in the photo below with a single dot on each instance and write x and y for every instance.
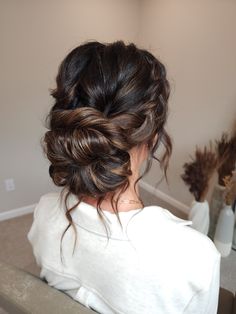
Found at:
(224, 231)
(234, 239)
(216, 204)
(234, 236)
(199, 215)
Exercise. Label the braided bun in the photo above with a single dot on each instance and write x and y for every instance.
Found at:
(88, 152)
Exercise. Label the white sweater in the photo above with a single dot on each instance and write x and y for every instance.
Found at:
(156, 264)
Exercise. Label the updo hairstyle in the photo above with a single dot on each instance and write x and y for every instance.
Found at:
(109, 98)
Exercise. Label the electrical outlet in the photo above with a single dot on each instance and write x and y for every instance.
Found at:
(9, 185)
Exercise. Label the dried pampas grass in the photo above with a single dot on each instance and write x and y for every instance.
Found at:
(198, 173)
(226, 153)
(230, 191)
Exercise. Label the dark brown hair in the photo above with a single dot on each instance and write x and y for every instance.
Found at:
(109, 98)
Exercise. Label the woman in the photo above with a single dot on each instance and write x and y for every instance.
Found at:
(96, 240)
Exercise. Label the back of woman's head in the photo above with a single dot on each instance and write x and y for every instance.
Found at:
(109, 98)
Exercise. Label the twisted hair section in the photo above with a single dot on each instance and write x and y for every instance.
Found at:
(109, 98)
(87, 152)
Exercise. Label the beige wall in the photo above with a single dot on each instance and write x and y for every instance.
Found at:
(35, 36)
(196, 42)
(195, 39)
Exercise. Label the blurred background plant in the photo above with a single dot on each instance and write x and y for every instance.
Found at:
(199, 171)
(226, 153)
(230, 189)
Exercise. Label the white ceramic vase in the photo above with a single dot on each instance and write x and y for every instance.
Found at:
(199, 215)
(224, 231)
(234, 236)
(234, 239)
(216, 204)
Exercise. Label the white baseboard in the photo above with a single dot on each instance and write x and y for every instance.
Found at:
(164, 197)
(17, 212)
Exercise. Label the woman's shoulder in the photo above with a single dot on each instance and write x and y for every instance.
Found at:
(47, 211)
(155, 219)
(163, 239)
(161, 229)
(49, 197)
(47, 205)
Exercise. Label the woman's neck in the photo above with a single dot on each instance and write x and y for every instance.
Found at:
(129, 194)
